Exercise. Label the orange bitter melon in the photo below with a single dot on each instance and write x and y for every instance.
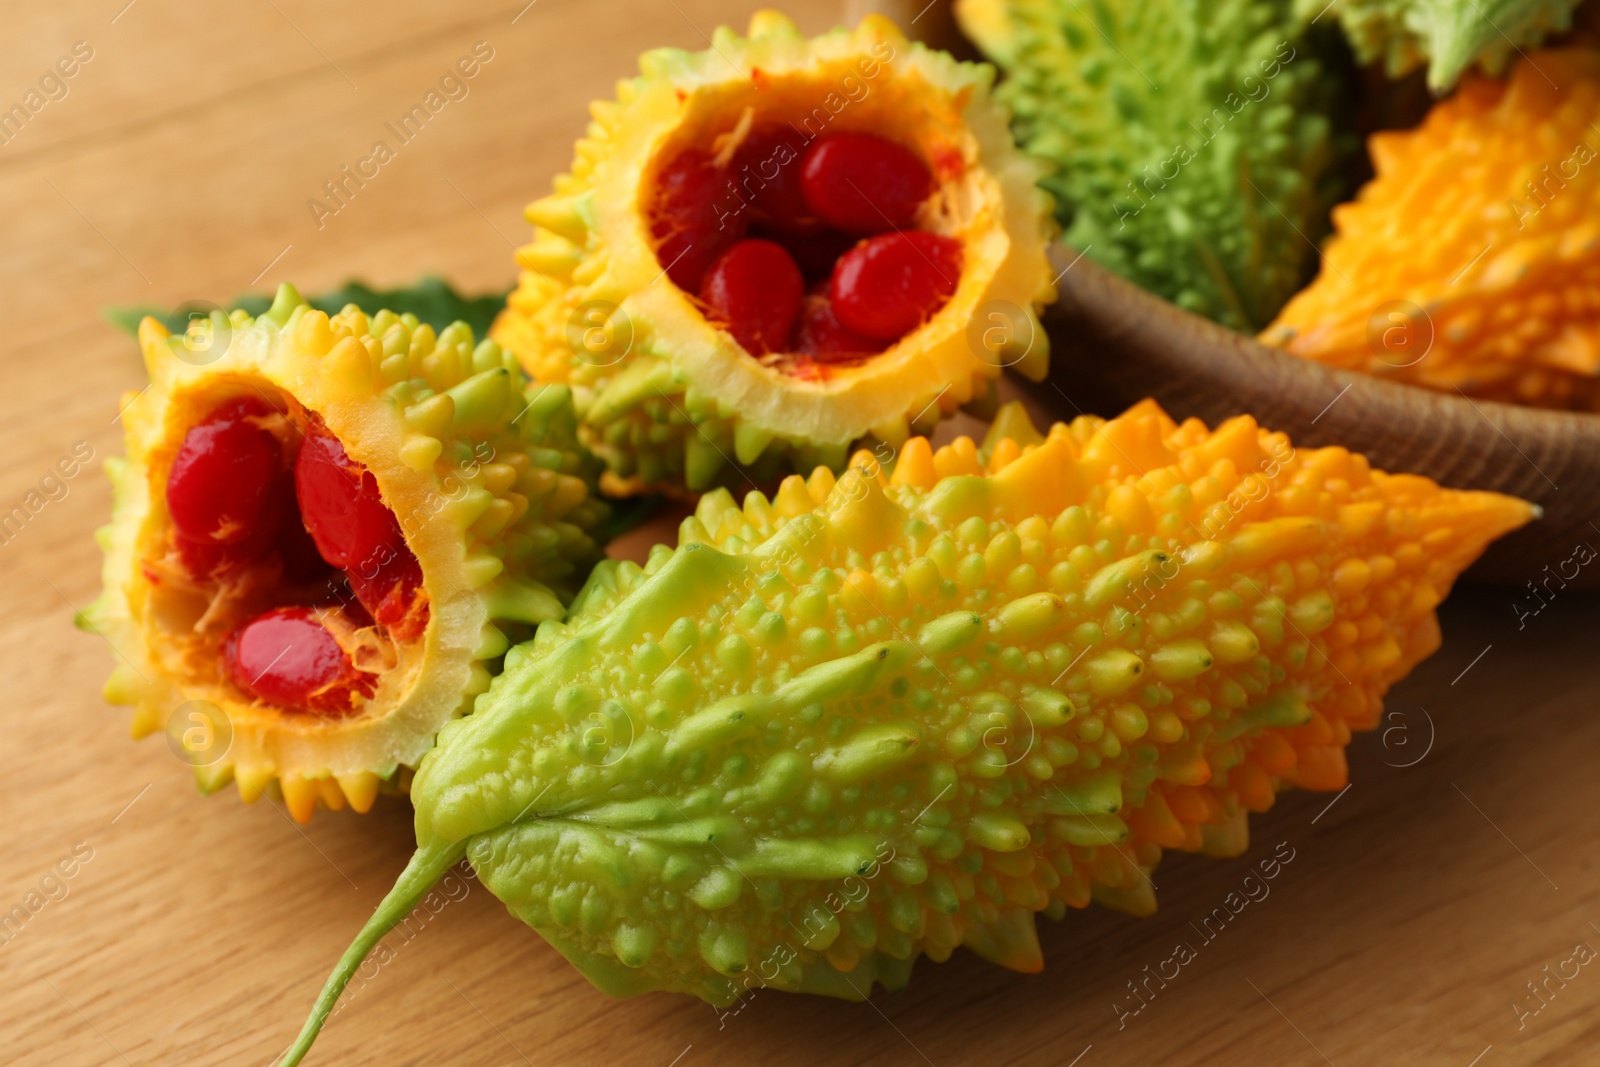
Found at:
(1471, 262)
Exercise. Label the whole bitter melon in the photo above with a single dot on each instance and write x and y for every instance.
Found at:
(1193, 144)
(1471, 261)
(883, 716)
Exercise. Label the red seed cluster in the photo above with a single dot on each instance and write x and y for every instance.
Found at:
(306, 518)
(805, 247)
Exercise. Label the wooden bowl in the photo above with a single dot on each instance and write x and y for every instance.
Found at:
(1113, 343)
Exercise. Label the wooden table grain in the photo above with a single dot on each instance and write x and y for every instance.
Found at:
(1418, 912)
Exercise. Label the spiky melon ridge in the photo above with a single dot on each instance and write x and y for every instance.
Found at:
(1447, 35)
(878, 717)
(1192, 144)
(1485, 222)
(683, 402)
(491, 489)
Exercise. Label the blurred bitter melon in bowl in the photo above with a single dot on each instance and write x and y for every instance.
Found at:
(1194, 146)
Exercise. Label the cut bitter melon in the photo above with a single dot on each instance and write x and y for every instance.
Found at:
(326, 533)
(773, 248)
(887, 715)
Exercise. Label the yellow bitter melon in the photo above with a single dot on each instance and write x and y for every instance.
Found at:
(482, 478)
(1471, 261)
(877, 717)
(667, 396)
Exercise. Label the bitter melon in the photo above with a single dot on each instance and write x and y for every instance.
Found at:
(1471, 261)
(770, 249)
(883, 716)
(1193, 144)
(1447, 35)
(326, 533)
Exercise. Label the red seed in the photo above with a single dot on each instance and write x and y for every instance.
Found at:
(220, 490)
(340, 501)
(864, 184)
(355, 531)
(222, 477)
(289, 659)
(820, 335)
(887, 286)
(765, 172)
(754, 290)
(694, 218)
(390, 588)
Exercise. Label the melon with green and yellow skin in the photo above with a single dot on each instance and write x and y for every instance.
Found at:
(882, 715)
(483, 473)
(666, 397)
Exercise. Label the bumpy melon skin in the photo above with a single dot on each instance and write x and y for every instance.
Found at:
(483, 472)
(880, 717)
(681, 403)
(1192, 143)
(1447, 35)
(1471, 261)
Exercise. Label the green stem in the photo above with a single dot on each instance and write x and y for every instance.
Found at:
(427, 866)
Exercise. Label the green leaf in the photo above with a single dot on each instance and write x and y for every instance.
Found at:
(431, 300)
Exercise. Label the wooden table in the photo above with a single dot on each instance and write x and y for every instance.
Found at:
(196, 931)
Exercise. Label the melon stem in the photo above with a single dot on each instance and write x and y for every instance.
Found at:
(427, 866)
